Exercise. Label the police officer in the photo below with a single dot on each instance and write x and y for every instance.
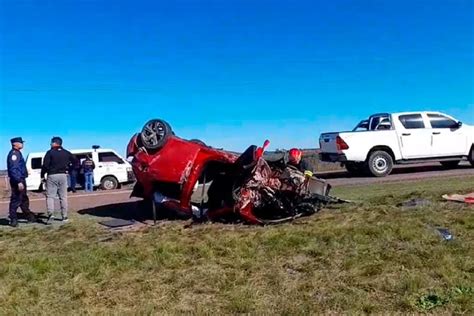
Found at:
(17, 173)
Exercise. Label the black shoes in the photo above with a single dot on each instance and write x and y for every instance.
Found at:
(31, 218)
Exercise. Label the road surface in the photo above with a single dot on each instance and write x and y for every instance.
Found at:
(110, 203)
(399, 174)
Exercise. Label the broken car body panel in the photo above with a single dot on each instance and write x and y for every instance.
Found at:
(179, 162)
(246, 187)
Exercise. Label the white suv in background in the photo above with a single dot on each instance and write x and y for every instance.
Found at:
(384, 139)
(111, 170)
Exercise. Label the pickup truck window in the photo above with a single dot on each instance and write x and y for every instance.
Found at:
(412, 121)
(441, 121)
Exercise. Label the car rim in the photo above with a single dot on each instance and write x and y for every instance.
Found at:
(380, 164)
(109, 184)
(153, 132)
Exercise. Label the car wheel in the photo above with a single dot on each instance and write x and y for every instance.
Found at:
(450, 164)
(155, 133)
(109, 183)
(380, 163)
(355, 168)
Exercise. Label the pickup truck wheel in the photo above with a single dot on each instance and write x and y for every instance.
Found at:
(471, 156)
(380, 163)
(450, 164)
(155, 133)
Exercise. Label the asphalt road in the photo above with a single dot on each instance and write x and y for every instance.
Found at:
(110, 203)
(399, 174)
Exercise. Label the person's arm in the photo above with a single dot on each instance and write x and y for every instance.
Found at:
(73, 161)
(14, 168)
(93, 165)
(46, 163)
(306, 168)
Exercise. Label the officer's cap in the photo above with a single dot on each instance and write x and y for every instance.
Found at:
(16, 140)
(57, 140)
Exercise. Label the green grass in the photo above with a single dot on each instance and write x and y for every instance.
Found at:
(367, 257)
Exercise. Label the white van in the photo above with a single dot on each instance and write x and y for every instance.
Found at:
(111, 170)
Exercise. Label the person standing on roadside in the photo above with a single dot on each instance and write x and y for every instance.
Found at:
(55, 167)
(17, 173)
(88, 167)
(72, 173)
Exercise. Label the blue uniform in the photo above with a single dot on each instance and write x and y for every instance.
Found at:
(17, 173)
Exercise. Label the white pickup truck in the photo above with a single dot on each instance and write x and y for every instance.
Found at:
(384, 139)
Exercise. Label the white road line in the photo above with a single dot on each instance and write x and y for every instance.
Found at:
(79, 196)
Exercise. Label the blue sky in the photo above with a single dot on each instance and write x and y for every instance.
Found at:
(231, 73)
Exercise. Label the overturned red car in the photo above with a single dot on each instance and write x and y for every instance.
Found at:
(244, 187)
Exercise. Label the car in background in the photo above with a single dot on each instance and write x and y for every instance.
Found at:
(111, 169)
(376, 144)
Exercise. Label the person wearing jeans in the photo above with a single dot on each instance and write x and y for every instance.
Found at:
(54, 170)
(72, 176)
(88, 167)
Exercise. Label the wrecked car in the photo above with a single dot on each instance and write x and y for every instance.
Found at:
(171, 171)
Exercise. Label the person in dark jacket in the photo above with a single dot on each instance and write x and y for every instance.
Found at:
(55, 166)
(88, 167)
(17, 173)
(72, 175)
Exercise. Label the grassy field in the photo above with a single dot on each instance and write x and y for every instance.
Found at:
(367, 257)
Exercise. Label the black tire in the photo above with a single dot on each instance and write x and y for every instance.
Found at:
(109, 183)
(450, 164)
(355, 168)
(471, 156)
(379, 163)
(155, 134)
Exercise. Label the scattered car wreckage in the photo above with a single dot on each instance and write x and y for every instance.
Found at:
(233, 188)
(462, 198)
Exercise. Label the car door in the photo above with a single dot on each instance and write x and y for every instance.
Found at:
(448, 138)
(415, 138)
